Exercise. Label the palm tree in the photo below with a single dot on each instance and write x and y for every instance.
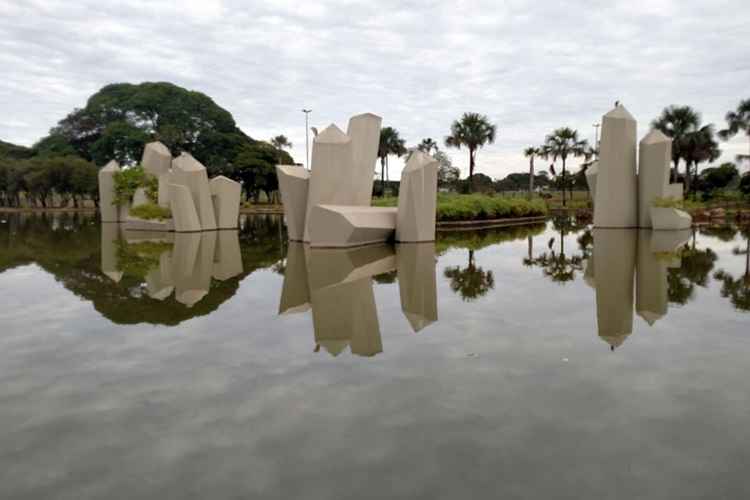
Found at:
(470, 282)
(391, 143)
(428, 145)
(697, 147)
(280, 142)
(736, 121)
(676, 122)
(562, 143)
(472, 131)
(530, 153)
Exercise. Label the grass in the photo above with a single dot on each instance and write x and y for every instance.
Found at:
(151, 211)
(466, 207)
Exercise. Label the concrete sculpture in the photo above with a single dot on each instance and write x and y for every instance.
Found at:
(616, 203)
(615, 255)
(109, 211)
(226, 195)
(184, 187)
(621, 201)
(336, 195)
(110, 237)
(417, 201)
(294, 183)
(337, 285)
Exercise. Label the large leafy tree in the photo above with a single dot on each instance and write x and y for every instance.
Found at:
(738, 121)
(676, 122)
(471, 131)
(390, 143)
(280, 142)
(563, 143)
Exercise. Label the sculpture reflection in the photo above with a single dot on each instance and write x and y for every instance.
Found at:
(337, 284)
(623, 258)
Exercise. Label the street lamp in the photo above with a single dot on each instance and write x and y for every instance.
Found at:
(307, 138)
(596, 138)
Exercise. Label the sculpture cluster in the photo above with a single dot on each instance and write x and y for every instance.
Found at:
(330, 206)
(622, 197)
(196, 203)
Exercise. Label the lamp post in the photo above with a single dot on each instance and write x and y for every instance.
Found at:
(307, 138)
(596, 138)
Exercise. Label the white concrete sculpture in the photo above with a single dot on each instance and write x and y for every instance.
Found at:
(347, 226)
(184, 215)
(163, 194)
(651, 297)
(227, 256)
(156, 159)
(654, 156)
(615, 256)
(330, 180)
(417, 200)
(364, 132)
(110, 238)
(295, 291)
(294, 183)
(139, 198)
(189, 172)
(109, 211)
(670, 219)
(226, 194)
(591, 174)
(616, 204)
(417, 285)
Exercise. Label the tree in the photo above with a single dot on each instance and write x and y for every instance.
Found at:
(697, 147)
(530, 153)
(255, 167)
(391, 143)
(448, 175)
(557, 266)
(15, 152)
(472, 131)
(428, 145)
(281, 143)
(738, 120)
(720, 177)
(561, 143)
(470, 282)
(676, 122)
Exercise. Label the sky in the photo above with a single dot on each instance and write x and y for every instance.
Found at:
(529, 66)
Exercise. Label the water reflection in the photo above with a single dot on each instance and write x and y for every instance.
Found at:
(337, 284)
(737, 289)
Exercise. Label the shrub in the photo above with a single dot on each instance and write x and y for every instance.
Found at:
(667, 202)
(151, 211)
(464, 207)
(130, 179)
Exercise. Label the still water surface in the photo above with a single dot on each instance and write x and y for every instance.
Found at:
(528, 362)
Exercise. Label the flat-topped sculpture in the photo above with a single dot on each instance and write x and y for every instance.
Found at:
(196, 204)
(624, 198)
(331, 205)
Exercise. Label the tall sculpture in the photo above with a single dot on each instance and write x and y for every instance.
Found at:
(615, 256)
(225, 195)
(623, 199)
(109, 211)
(336, 195)
(616, 204)
(190, 173)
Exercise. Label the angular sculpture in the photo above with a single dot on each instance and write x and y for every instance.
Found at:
(347, 226)
(330, 180)
(139, 197)
(295, 291)
(190, 173)
(227, 256)
(616, 203)
(156, 159)
(109, 211)
(293, 186)
(184, 215)
(417, 200)
(670, 219)
(651, 297)
(417, 284)
(654, 155)
(163, 194)
(225, 194)
(364, 132)
(615, 256)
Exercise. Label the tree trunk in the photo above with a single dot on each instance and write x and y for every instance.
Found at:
(531, 178)
(471, 259)
(687, 178)
(531, 247)
(563, 182)
(471, 170)
(382, 175)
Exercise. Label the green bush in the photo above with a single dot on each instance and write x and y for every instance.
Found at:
(130, 179)
(667, 202)
(465, 207)
(151, 211)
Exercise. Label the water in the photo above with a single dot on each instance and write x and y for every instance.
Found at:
(528, 362)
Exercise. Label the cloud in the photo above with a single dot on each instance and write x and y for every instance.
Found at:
(529, 66)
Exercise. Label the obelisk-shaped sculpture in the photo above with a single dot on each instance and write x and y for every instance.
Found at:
(616, 204)
(364, 132)
(109, 211)
(654, 156)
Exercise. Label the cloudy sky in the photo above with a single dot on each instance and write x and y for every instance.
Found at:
(529, 66)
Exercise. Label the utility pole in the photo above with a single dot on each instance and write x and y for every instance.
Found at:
(307, 138)
(596, 138)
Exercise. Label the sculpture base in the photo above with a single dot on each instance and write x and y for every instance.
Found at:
(670, 219)
(341, 226)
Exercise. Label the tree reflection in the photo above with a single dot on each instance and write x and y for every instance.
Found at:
(695, 269)
(470, 282)
(558, 266)
(737, 290)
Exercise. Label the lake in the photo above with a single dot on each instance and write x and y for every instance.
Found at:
(542, 361)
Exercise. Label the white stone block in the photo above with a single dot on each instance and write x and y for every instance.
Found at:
(330, 177)
(228, 256)
(184, 215)
(294, 183)
(164, 181)
(364, 132)
(189, 172)
(417, 284)
(670, 219)
(654, 156)
(140, 198)
(110, 238)
(348, 226)
(616, 204)
(417, 199)
(156, 159)
(225, 194)
(108, 211)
